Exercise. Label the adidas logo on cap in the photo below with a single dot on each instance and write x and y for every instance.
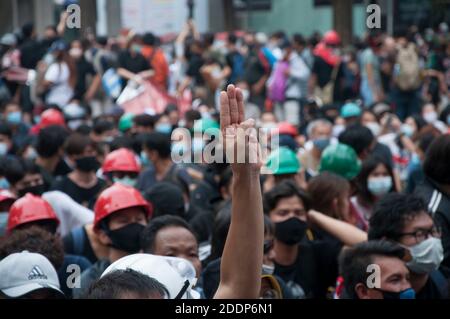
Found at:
(36, 273)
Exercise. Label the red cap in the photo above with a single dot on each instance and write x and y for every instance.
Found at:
(122, 160)
(116, 198)
(332, 38)
(287, 129)
(52, 117)
(28, 209)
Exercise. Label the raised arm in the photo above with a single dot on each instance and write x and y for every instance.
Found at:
(243, 253)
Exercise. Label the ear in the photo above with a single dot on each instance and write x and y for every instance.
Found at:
(103, 238)
(362, 291)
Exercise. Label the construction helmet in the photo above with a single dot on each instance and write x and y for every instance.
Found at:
(176, 274)
(332, 38)
(30, 208)
(118, 197)
(287, 129)
(283, 161)
(52, 117)
(126, 122)
(340, 159)
(121, 160)
(351, 110)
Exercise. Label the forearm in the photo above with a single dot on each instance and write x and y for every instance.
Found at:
(126, 74)
(243, 252)
(348, 234)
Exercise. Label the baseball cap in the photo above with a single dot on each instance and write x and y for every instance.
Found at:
(8, 39)
(350, 110)
(25, 272)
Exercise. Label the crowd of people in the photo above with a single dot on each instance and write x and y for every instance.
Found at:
(93, 204)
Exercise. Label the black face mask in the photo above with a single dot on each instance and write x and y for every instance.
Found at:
(37, 190)
(127, 238)
(406, 294)
(87, 164)
(291, 231)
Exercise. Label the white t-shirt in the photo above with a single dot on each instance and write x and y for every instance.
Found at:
(60, 92)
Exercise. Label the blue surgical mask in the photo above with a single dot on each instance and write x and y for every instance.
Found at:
(14, 118)
(145, 161)
(407, 130)
(127, 181)
(3, 149)
(164, 128)
(406, 294)
(4, 184)
(322, 143)
(3, 223)
(379, 186)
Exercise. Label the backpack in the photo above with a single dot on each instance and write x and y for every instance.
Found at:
(238, 67)
(278, 82)
(407, 69)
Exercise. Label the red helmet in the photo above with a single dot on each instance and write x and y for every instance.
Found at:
(122, 160)
(332, 38)
(28, 209)
(116, 198)
(52, 117)
(6, 195)
(287, 129)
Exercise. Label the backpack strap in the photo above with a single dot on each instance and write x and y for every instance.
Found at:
(441, 282)
(78, 240)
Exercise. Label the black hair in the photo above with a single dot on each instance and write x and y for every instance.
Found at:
(171, 108)
(148, 236)
(357, 137)
(285, 189)
(420, 122)
(299, 39)
(27, 30)
(192, 116)
(103, 41)
(15, 170)
(145, 120)
(77, 143)
(232, 39)
(391, 213)
(368, 166)
(121, 142)
(121, 284)
(149, 39)
(102, 126)
(160, 143)
(353, 262)
(35, 240)
(5, 129)
(50, 140)
(436, 165)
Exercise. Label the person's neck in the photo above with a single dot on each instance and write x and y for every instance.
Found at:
(84, 179)
(418, 281)
(115, 254)
(49, 164)
(285, 254)
(163, 166)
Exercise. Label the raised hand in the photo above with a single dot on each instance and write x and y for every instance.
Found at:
(239, 136)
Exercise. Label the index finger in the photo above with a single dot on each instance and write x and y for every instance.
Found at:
(225, 117)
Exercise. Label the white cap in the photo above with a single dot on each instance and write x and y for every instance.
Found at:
(176, 274)
(25, 272)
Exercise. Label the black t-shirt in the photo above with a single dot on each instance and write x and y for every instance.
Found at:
(430, 291)
(195, 64)
(324, 72)
(134, 64)
(314, 271)
(84, 68)
(87, 251)
(83, 196)
(30, 53)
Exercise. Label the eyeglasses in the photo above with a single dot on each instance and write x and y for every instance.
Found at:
(268, 245)
(423, 234)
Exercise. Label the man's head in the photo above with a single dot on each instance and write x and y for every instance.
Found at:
(6, 142)
(50, 142)
(437, 161)
(121, 214)
(383, 259)
(360, 138)
(103, 131)
(320, 129)
(12, 114)
(24, 176)
(127, 284)
(171, 236)
(404, 219)
(143, 123)
(82, 152)
(157, 146)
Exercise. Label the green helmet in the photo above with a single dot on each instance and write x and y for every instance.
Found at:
(283, 161)
(204, 125)
(126, 122)
(341, 160)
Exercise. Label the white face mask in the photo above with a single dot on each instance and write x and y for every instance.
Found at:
(3, 149)
(268, 270)
(379, 186)
(374, 127)
(430, 117)
(338, 129)
(427, 256)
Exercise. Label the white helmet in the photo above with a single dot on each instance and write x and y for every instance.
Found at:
(176, 274)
